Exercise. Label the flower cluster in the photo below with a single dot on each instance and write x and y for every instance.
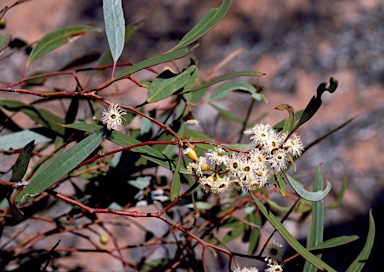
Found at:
(245, 170)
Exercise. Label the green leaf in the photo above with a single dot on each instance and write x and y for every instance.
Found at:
(106, 58)
(63, 165)
(58, 38)
(290, 239)
(228, 115)
(315, 235)
(22, 162)
(155, 61)
(291, 120)
(360, 261)
(41, 116)
(114, 26)
(254, 218)
(192, 80)
(280, 184)
(225, 77)
(4, 41)
(334, 242)
(234, 86)
(210, 19)
(19, 139)
(175, 185)
(124, 140)
(236, 231)
(277, 208)
(161, 88)
(315, 103)
(311, 196)
(280, 125)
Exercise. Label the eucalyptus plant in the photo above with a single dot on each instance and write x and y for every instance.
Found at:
(207, 192)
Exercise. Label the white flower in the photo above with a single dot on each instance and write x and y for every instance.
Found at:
(206, 184)
(258, 158)
(274, 267)
(220, 185)
(260, 134)
(217, 156)
(262, 176)
(235, 163)
(273, 253)
(294, 145)
(113, 116)
(279, 159)
(199, 166)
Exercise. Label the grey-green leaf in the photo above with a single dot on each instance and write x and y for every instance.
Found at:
(279, 183)
(334, 242)
(161, 88)
(58, 38)
(41, 116)
(311, 196)
(22, 162)
(114, 26)
(225, 77)
(63, 165)
(124, 140)
(210, 19)
(290, 239)
(315, 235)
(4, 41)
(19, 139)
(233, 86)
(360, 260)
(155, 61)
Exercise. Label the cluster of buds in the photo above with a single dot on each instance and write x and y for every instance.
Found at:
(219, 170)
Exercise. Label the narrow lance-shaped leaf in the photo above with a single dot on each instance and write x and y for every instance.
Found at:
(311, 196)
(360, 261)
(22, 162)
(255, 218)
(162, 88)
(4, 41)
(315, 235)
(210, 19)
(106, 57)
(19, 139)
(58, 38)
(124, 140)
(225, 77)
(177, 54)
(335, 242)
(114, 26)
(234, 86)
(41, 116)
(63, 165)
(175, 185)
(291, 240)
(279, 183)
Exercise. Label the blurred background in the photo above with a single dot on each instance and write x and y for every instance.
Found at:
(297, 44)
